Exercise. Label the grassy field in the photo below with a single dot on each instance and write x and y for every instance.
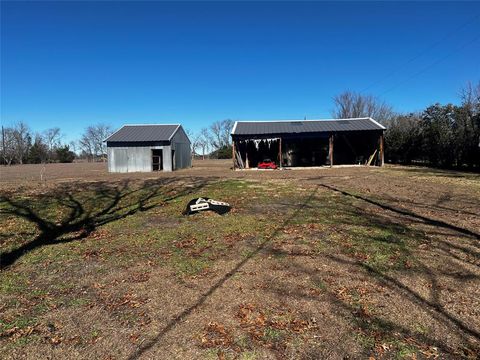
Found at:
(326, 263)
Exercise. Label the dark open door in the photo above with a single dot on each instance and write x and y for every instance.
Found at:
(157, 163)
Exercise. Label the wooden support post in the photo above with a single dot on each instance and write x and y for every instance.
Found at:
(280, 157)
(233, 153)
(381, 150)
(330, 150)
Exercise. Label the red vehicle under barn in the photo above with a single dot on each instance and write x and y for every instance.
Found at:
(267, 164)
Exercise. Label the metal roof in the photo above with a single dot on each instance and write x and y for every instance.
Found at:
(140, 133)
(304, 126)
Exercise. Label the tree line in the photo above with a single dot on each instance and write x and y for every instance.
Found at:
(446, 136)
(19, 145)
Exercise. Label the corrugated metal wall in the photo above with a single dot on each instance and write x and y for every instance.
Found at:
(181, 145)
(136, 158)
(117, 160)
(167, 158)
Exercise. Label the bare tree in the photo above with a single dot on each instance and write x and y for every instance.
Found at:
(194, 142)
(51, 138)
(8, 145)
(204, 141)
(355, 105)
(220, 133)
(86, 145)
(470, 96)
(194, 139)
(73, 146)
(467, 127)
(102, 131)
(92, 141)
(21, 141)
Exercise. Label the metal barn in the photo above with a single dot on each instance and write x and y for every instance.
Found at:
(145, 148)
(304, 143)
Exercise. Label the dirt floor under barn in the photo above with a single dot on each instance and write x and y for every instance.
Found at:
(318, 263)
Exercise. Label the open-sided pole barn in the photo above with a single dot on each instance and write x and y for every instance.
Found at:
(304, 143)
(145, 148)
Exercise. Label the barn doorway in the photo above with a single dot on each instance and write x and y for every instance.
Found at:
(157, 160)
(304, 152)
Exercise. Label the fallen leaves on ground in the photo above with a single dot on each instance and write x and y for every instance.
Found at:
(258, 324)
(15, 332)
(216, 335)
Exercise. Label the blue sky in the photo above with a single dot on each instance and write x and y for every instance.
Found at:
(72, 64)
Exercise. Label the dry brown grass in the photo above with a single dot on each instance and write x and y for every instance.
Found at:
(322, 263)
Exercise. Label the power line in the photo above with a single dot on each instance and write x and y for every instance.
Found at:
(428, 67)
(428, 49)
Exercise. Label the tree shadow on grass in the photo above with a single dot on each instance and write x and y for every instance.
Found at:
(427, 220)
(380, 328)
(440, 204)
(407, 240)
(85, 207)
(203, 297)
(377, 323)
(422, 171)
(350, 214)
(448, 247)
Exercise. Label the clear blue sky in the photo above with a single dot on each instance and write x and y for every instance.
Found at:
(71, 64)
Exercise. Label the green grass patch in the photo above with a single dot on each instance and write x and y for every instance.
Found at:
(185, 265)
(20, 322)
(272, 335)
(78, 302)
(13, 283)
(248, 355)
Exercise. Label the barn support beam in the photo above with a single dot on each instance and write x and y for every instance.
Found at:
(280, 156)
(233, 154)
(381, 145)
(330, 150)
